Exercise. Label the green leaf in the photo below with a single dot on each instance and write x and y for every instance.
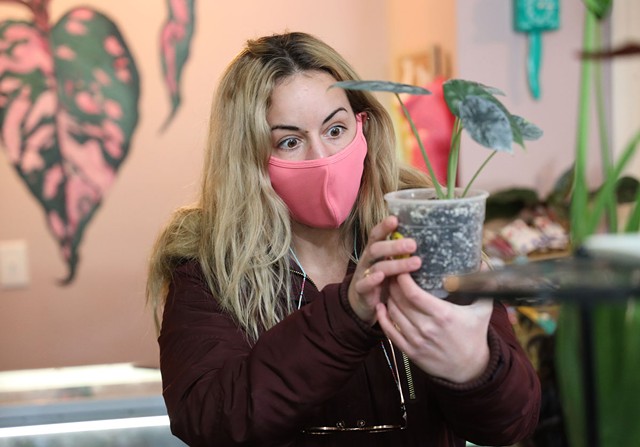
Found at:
(515, 130)
(528, 130)
(569, 349)
(626, 189)
(617, 358)
(600, 8)
(486, 123)
(562, 188)
(382, 86)
(633, 223)
(509, 202)
(456, 90)
(606, 194)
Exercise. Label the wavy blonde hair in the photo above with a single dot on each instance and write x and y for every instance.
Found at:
(239, 229)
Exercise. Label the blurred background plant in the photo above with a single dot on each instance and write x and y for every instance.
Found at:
(615, 328)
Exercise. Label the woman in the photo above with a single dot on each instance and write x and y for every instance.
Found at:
(289, 316)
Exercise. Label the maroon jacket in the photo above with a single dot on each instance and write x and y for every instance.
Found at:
(322, 366)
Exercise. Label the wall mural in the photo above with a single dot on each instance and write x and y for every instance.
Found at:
(175, 41)
(69, 95)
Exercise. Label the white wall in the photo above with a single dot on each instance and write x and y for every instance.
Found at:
(489, 51)
(626, 80)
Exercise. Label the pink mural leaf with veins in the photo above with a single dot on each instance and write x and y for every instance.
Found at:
(175, 42)
(68, 110)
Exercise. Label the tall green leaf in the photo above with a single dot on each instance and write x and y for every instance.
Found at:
(599, 8)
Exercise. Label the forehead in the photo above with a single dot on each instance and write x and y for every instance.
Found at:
(306, 92)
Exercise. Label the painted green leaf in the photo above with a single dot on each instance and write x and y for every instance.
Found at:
(68, 110)
(175, 43)
(528, 130)
(382, 86)
(486, 123)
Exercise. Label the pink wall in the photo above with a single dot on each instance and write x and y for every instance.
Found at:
(101, 317)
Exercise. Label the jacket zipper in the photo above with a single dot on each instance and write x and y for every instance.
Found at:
(405, 359)
(407, 370)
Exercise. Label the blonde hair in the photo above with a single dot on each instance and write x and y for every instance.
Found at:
(239, 230)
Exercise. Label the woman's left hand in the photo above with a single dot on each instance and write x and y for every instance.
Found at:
(443, 339)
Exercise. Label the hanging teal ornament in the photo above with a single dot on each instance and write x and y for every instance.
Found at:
(535, 17)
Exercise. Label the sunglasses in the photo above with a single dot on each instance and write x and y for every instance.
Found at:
(341, 427)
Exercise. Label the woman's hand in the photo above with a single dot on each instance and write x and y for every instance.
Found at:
(378, 262)
(443, 339)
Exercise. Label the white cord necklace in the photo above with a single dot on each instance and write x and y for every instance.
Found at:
(393, 366)
(304, 276)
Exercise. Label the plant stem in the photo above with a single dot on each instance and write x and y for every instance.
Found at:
(568, 339)
(580, 216)
(609, 186)
(432, 173)
(454, 154)
(633, 224)
(473, 179)
(605, 152)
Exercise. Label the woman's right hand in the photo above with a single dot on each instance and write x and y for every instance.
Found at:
(380, 259)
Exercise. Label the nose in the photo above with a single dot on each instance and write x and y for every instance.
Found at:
(318, 148)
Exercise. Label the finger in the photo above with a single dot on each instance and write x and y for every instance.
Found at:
(390, 329)
(403, 319)
(383, 229)
(392, 248)
(393, 267)
(369, 281)
(377, 234)
(418, 298)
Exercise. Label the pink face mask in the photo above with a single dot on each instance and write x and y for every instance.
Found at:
(321, 192)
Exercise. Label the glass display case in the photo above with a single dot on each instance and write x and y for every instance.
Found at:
(99, 405)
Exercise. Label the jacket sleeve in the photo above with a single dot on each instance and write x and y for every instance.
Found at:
(502, 406)
(219, 387)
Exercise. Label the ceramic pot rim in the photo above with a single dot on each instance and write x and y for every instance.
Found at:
(417, 195)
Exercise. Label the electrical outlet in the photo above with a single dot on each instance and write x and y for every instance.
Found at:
(14, 270)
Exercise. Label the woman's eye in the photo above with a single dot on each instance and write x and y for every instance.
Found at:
(289, 144)
(336, 131)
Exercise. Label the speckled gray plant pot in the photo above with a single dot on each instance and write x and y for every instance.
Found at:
(448, 232)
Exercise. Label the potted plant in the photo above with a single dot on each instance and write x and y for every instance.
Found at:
(446, 221)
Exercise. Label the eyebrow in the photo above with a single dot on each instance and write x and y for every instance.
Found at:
(295, 128)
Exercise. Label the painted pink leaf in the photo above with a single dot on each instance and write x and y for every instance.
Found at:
(175, 42)
(68, 110)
